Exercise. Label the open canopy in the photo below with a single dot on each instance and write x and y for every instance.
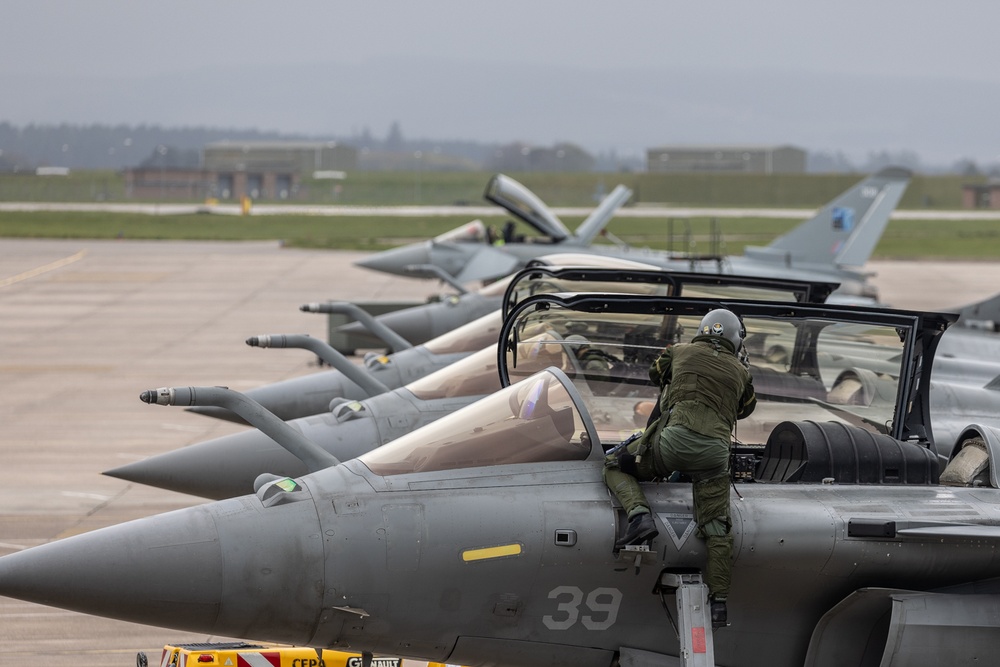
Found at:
(869, 368)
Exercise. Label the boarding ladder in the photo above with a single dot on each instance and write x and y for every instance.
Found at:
(694, 617)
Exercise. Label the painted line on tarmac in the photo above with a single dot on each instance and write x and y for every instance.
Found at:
(39, 270)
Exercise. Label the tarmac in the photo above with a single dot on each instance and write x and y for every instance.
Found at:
(86, 326)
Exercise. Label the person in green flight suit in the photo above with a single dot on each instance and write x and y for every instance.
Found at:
(705, 386)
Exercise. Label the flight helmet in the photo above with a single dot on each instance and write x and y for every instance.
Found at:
(724, 323)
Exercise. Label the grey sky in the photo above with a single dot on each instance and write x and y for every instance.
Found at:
(850, 75)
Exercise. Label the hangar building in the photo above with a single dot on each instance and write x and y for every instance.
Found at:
(270, 171)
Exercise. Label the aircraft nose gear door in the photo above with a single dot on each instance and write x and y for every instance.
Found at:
(694, 620)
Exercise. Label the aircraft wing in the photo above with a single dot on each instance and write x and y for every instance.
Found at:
(488, 263)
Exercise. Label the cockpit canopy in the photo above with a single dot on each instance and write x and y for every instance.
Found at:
(823, 363)
(537, 419)
(811, 364)
(585, 277)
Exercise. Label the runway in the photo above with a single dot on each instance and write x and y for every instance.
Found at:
(87, 325)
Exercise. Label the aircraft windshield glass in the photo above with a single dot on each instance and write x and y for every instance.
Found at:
(532, 421)
(543, 280)
(739, 293)
(523, 203)
(472, 232)
(802, 368)
(470, 337)
(478, 374)
(495, 288)
(590, 259)
(542, 283)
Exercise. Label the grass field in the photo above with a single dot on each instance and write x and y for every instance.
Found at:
(390, 188)
(909, 239)
(974, 240)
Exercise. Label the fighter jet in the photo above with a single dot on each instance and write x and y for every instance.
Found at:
(227, 466)
(832, 245)
(470, 253)
(488, 537)
(312, 394)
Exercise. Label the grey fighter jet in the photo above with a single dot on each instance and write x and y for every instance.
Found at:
(312, 394)
(488, 538)
(227, 466)
(470, 253)
(832, 245)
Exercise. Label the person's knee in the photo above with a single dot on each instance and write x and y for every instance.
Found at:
(711, 501)
(718, 527)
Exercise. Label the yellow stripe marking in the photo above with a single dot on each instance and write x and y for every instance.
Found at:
(39, 270)
(491, 552)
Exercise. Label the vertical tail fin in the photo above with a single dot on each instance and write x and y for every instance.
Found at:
(600, 216)
(846, 230)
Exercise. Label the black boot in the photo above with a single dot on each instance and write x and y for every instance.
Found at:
(640, 529)
(719, 614)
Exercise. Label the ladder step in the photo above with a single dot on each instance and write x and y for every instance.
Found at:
(694, 618)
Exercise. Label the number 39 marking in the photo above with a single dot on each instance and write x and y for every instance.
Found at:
(602, 602)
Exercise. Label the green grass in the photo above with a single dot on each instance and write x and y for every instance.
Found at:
(933, 239)
(385, 188)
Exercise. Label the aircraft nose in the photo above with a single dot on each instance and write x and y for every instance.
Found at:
(227, 467)
(397, 259)
(233, 568)
(223, 467)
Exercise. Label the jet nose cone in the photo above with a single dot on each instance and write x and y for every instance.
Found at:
(140, 571)
(233, 569)
(397, 260)
(220, 468)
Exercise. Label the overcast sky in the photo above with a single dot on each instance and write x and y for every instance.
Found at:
(852, 76)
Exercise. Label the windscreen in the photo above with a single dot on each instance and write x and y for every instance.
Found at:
(554, 281)
(541, 283)
(470, 337)
(472, 232)
(740, 293)
(533, 420)
(802, 368)
(477, 374)
(495, 288)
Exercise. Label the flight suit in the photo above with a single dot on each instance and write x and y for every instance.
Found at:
(704, 389)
